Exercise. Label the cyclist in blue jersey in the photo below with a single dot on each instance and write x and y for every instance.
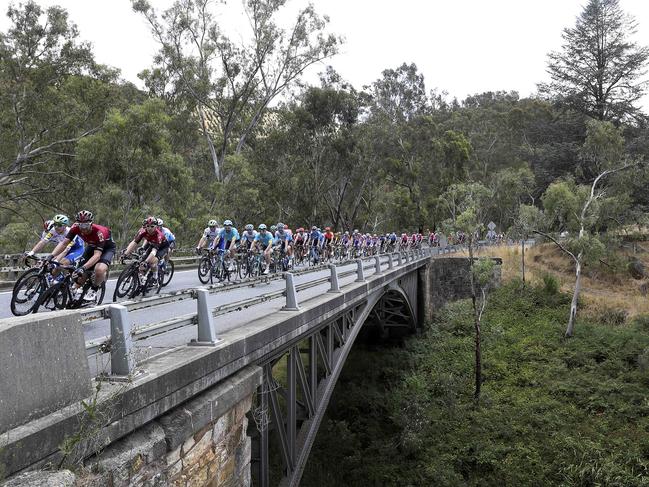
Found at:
(55, 232)
(227, 238)
(315, 242)
(171, 238)
(248, 236)
(284, 238)
(264, 239)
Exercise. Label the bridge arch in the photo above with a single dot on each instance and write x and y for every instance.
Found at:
(295, 409)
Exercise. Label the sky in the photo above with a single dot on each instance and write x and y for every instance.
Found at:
(462, 47)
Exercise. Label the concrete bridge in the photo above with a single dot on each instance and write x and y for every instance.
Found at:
(202, 410)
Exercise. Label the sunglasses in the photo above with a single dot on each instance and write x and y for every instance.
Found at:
(85, 226)
(150, 226)
(59, 224)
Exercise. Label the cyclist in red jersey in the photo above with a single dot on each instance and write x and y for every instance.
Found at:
(158, 243)
(98, 253)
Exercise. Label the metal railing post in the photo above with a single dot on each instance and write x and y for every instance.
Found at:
(291, 294)
(335, 288)
(122, 361)
(377, 264)
(206, 332)
(360, 275)
(390, 263)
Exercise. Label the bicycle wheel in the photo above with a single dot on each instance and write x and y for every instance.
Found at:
(126, 280)
(26, 294)
(168, 273)
(204, 269)
(29, 272)
(55, 297)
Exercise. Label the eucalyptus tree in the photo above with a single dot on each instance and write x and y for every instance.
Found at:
(52, 96)
(466, 203)
(231, 84)
(600, 70)
(583, 210)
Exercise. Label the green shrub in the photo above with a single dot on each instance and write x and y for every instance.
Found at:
(550, 284)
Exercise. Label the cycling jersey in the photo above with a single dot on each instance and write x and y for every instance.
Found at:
(155, 239)
(249, 236)
(210, 234)
(328, 236)
(52, 236)
(315, 238)
(227, 237)
(168, 234)
(283, 236)
(264, 238)
(98, 236)
(299, 238)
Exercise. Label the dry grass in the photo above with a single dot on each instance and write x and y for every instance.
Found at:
(602, 294)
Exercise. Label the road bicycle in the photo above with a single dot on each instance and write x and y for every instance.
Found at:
(136, 279)
(67, 293)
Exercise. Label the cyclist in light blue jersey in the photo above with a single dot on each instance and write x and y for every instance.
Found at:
(248, 236)
(264, 240)
(227, 238)
(284, 238)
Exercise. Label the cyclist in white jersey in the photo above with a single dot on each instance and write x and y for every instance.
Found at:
(248, 236)
(209, 234)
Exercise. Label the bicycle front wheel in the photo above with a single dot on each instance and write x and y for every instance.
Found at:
(25, 295)
(168, 273)
(125, 282)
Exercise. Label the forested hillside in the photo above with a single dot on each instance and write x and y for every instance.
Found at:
(226, 132)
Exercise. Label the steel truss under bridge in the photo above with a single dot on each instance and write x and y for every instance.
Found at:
(313, 364)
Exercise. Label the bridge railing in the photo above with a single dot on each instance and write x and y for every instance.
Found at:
(121, 347)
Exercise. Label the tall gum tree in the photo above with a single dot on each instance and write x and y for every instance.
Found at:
(229, 83)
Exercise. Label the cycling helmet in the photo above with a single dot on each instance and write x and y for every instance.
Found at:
(227, 223)
(61, 220)
(327, 229)
(160, 222)
(280, 226)
(314, 228)
(273, 227)
(47, 225)
(150, 220)
(84, 216)
(262, 226)
(212, 223)
(299, 230)
(346, 233)
(250, 227)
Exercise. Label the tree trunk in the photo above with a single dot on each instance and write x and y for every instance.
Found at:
(523, 260)
(210, 144)
(476, 322)
(575, 297)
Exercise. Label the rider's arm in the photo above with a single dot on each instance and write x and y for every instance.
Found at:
(39, 245)
(131, 247)
(202, 242)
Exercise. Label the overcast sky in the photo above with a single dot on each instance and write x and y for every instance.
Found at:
(461, 46)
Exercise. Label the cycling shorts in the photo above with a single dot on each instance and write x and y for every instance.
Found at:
(161, 251)
(107, 253)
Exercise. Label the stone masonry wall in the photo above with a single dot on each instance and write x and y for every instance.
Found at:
(447, 279)
(198, 444)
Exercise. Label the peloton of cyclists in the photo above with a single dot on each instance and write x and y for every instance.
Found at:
(55, 231)
(157, 247)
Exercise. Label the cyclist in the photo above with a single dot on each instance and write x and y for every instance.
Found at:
(248, 236)
(284, 239)
(55, 231)
(209, 235)
(265, 241)
(98, 252)
(171, 238)
(316, 241)
(227, 238)
(157, 247)
(328, 237)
